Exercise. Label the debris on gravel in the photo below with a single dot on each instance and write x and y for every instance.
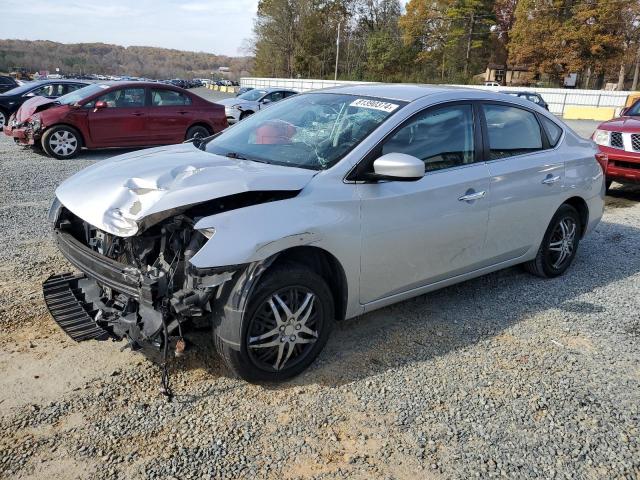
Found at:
(507, 375)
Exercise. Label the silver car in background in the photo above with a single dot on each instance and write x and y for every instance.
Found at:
(325, 206)
(248, 103)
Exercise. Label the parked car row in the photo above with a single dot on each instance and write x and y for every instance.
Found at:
(68, 116)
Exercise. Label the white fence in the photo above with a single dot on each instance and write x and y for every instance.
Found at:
(557, 98)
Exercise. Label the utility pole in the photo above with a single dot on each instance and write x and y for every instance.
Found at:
(335, 77)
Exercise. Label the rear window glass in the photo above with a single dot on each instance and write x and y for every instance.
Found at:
(512, 131)
(552, 130)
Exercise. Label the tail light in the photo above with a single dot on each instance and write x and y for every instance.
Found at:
(603, 160)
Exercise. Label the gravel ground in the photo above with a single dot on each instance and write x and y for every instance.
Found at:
(503, 376)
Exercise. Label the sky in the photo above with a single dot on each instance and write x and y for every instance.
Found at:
(214, 26)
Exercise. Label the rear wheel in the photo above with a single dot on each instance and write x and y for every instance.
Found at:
(61, 142)
(4, 117)
(197, 131)
(286, 325)
(559, 244)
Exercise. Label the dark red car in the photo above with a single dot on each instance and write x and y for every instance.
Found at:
(119, 114)
(619, 139)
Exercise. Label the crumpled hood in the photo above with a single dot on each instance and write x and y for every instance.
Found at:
(32, 106)
(115, 194)
(622, 124)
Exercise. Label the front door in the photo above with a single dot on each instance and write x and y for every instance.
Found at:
(527, 178)
(420, 232)
(123, 122)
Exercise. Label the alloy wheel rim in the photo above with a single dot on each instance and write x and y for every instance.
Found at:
(283, 329)
(63, 143)
(2, 119)
(562, 242)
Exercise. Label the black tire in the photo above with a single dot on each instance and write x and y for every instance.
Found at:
(61, 142)
(253, 362)
(199, 131)
(4, 118)
(549, 262)
(246, 114)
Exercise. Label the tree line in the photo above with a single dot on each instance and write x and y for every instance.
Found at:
(449, 41)
(106, 59)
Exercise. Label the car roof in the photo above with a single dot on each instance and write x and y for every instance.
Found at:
(407, 92)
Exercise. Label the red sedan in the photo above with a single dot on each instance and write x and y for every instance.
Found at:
(119, 114)
(619, 139)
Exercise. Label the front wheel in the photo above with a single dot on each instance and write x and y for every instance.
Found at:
(285, 326)
(61, 142)
(559, 244)
(4, 118)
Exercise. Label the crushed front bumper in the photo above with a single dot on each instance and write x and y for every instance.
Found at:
(68, 298)
(21, 135)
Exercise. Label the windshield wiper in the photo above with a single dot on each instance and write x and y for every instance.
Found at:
(235, 155)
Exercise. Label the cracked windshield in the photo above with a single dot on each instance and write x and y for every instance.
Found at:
(309, 131)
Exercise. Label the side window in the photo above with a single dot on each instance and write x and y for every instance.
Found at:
(442, 138)
(512, 131)
(289, 94)
(552, 130)
(275, 96)
(168, 98)
(123, 97)
(6, 81)
(72, 87)
(44, 91)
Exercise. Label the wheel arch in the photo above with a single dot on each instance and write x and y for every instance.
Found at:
(583, 210)
(324, 264)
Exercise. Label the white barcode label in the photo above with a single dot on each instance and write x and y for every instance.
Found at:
(374, 104)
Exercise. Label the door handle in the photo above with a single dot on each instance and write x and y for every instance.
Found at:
(183, 113)
(137, 114)
(550, 179)
(470, 196)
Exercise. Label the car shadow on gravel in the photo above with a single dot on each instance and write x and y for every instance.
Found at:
(459, 316)
(462, 315)
(621, 196)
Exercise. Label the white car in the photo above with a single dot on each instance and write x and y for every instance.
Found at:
(240, 107)
(323, 207)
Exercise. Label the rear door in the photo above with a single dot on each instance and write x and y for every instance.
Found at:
(527, 177)
(123, 122)
(170, 115)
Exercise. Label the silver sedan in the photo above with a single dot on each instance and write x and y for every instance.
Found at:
(252, 101)
(323, 207)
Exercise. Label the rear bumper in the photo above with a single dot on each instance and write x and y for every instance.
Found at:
(623, 166)
(120, 277)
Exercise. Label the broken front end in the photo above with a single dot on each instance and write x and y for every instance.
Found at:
(142, 288)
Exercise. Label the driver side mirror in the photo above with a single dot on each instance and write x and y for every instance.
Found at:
(399, 167)
(265, 101)
(30, 94)
(100, 105)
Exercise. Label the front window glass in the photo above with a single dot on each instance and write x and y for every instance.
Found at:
(51, 90)
(308, 131)
(512, 131)
(252, 95)
(634, 110)
(442, 138)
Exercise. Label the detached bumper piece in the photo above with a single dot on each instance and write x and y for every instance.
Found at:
(65, 299)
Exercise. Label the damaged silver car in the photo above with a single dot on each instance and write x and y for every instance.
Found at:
(323, 207)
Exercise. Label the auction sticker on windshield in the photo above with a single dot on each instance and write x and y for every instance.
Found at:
(374, 104)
